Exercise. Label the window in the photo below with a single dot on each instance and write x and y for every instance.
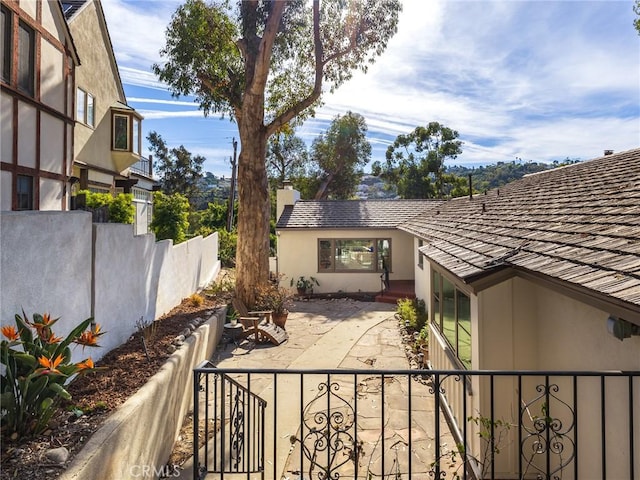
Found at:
(24, 191)
(90, 112)
(5, 38)
(84, 107)
(451, 314)
(420, 256)
(354, 255)
(81, 97)
(135, 143)
(26, 59)
(120, 132)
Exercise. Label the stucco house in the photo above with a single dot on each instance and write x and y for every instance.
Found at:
(107, 136)
(39, 58)
(537, 277)
(347, 245)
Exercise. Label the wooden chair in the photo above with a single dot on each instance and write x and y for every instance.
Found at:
(258, 323)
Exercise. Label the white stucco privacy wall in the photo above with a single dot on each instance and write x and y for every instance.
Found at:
(45, 266)
(60, 263)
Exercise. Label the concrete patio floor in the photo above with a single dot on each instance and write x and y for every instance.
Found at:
(342, 334)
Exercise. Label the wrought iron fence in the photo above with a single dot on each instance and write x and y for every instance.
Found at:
(416, 424)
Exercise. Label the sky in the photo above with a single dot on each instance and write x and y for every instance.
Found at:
(519, 80)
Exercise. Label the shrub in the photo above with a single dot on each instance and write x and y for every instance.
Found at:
(37, 364)
(196, 300)
(227, 244)
(170, 217)
(413, 311)
(120, 207)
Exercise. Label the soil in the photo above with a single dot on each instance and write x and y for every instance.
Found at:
(96, 395)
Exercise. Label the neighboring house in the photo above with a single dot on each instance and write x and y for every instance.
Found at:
(37, 116)
(347, 245)
(541, 274)
(107, 137)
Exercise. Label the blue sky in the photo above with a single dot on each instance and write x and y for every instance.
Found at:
(535, 80)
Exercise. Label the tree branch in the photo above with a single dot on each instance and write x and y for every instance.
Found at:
(294, 110)
(265, 50)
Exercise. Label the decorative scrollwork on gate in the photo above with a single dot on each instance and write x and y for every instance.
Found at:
(237, 429)
(327, 436)
(547, 445)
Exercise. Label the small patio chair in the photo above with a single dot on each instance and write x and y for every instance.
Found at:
(258, 323)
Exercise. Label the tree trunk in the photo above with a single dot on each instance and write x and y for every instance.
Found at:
(252, 254)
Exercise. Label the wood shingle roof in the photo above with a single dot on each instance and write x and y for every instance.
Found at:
(352, 214)
(578, 224)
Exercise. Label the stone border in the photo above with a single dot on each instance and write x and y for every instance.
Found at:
(137, 439)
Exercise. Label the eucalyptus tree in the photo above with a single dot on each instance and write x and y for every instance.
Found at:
(287, 156)
(415, 161)
(264, 63)
(340, 155)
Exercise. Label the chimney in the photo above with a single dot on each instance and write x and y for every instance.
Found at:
(285, 196)
(608, 152)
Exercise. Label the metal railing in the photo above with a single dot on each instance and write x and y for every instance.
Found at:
(416, 424)
(144, 166)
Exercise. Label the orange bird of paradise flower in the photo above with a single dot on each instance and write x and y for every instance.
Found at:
(90, 338)
(85, 365)
(10, 332)
(50, 365)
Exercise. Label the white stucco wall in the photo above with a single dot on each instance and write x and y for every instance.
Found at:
(298, 256)
(5, 190)
(26, 134)
(60, 263)
(45, 260)
(50, 194)
(6, 127)
(52, 83)
(51, 144)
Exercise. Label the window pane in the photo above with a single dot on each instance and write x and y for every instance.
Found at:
(135, 144)
(384, 255)
(26, 54)
(80, 99)
(354, 255)
(24, 192)
(5, 46)
(121, 132)
(90, 114)
(464, 329)
(449, 312)
(435, 309)
(325, 254)
(420, 256)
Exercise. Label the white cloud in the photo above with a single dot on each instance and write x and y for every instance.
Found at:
(528, 79)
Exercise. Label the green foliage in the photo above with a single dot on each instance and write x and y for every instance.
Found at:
(170, 217)
(227, 244)
(272, 297)
(636, 10)
(36, 364)
(413, 311)
(340, 155)
(415, 162)
(121, 208)
(304, 283)
(179, 170)
(287, 157)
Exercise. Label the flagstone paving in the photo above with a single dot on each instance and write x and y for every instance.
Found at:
(342, 334)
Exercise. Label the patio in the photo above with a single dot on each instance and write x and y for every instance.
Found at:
(338, 401)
